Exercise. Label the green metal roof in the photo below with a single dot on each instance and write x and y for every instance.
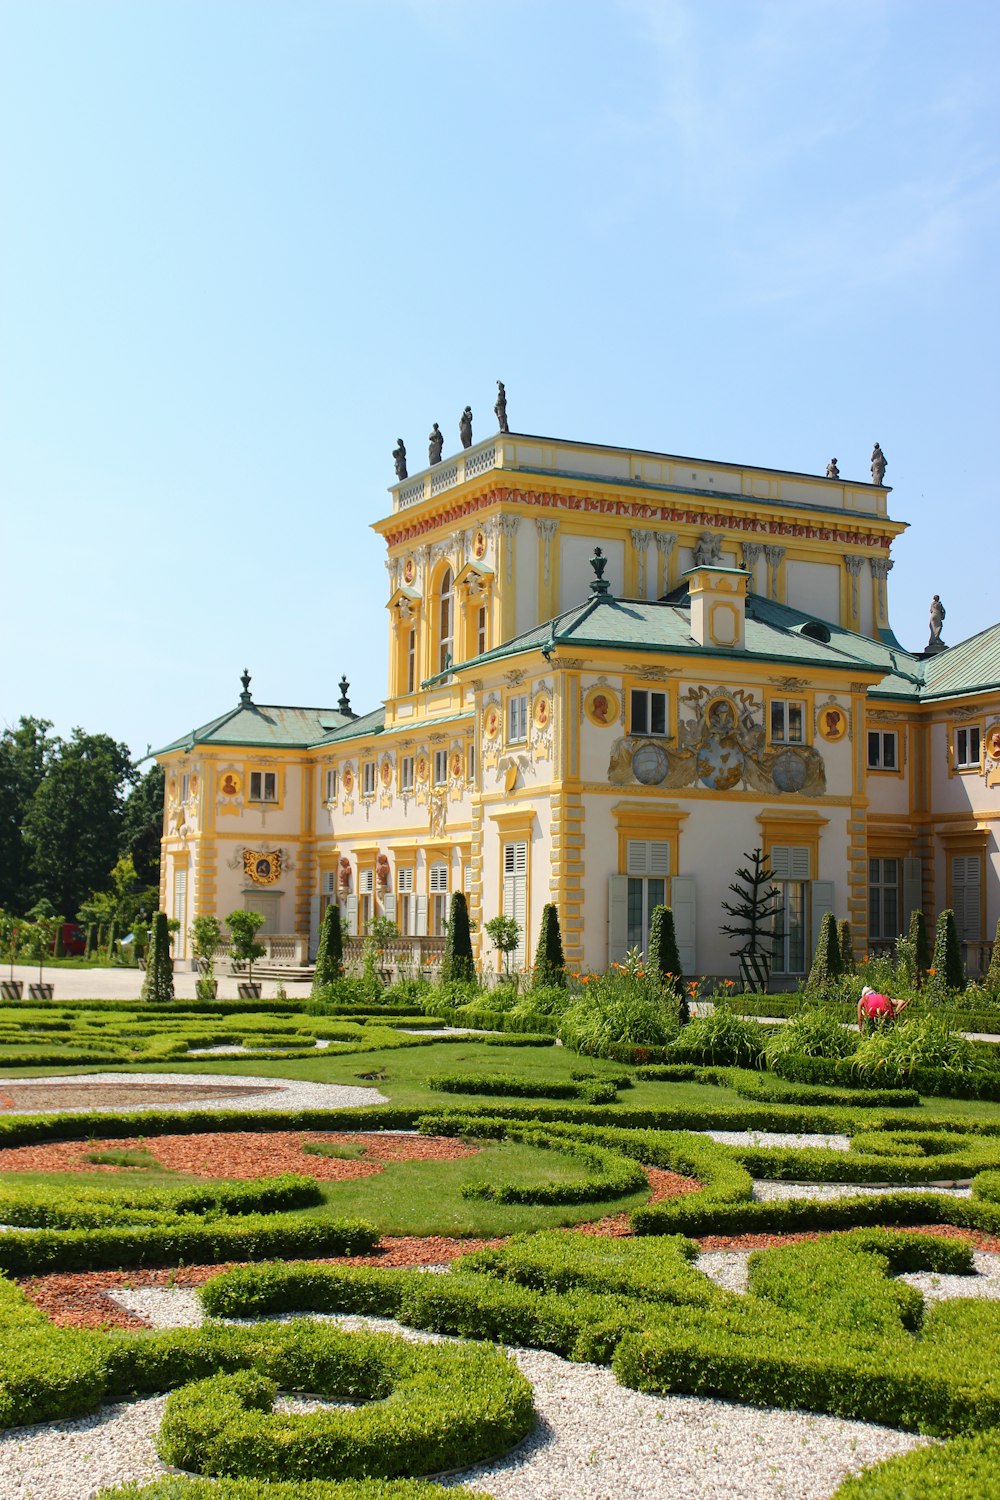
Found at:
(264, 724)
(969, 667)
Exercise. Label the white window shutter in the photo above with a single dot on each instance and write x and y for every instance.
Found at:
(966, 873)
(913, 889)
(421, 916)
(790, 862)
(404, 879)
(389, 905)
(329, 882)
(617, 917)
(822, 902)
(438, 880)
(351, 913)
(682, 903)
(636, 861)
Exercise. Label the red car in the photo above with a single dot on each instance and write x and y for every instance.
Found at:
(74, 940)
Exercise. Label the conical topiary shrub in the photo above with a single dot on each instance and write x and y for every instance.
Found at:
(158, 985)
(91, 948)
(846, 940)
(330, 954)
(112, 939)
(920, 938)
(991, 980)
(458, 962)
(550, 965)
(948, 967)
(665, 959)
(827, 965)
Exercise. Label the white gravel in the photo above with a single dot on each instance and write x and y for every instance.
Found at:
(728, 1269)
(764, 1138)
(595, 1440)
(773, 1192)
(283, 1093)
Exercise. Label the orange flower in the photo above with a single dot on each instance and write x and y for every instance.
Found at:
(730, 984)
(932, 971)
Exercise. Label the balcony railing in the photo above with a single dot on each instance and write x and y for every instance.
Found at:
(402, 958)
(433, 481)
(976, 956)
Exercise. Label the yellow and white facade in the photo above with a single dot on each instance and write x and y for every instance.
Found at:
(614, 733)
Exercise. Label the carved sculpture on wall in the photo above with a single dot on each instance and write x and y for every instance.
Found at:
(708, 549)
(722, 747)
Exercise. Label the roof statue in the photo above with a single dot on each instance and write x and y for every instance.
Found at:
(938, 612)
(344, 704)
(435, 444)
(501, 408)
(465, 427)
(878, 465)
(245, 698)
(399, 458)
(832, 472)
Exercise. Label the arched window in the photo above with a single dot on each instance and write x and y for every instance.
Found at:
(446, 621)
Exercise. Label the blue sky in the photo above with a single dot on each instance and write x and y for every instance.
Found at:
(246, 245)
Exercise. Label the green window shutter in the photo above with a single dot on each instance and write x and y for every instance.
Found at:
(822, 893)
(913, 889)
(617, 917)
(682, 903)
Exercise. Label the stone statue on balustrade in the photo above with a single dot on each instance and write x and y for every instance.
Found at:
(878, 465)
(465, 427)
(399, 458)
(435, 444)
(832, 472)
(501, 408)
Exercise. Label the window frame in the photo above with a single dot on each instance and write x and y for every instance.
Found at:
(407, 771)
(877, 882)
(884, 736)
(648, 695)
(440, 768)
(262, 779)
(517, 719)
(369, 778)
(966, 731)
(332, 784)
(783, 706)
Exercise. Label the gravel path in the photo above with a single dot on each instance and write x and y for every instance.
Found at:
(281, 1093)
(595, 1439)
(764, 1138)
(773, 1192)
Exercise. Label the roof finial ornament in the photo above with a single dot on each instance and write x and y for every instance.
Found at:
(599, 562)
(344, 705)
(245, 698)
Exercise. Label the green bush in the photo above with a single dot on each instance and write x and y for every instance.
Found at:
(921, 943)
(158, 981)
(814, 1033)
(911, 1046)
(262, 1489)
(550, 965)
(958, 1470)
(723, 1037)
(619, 1009)
(948, 966)
(330, 953)
(827, 964)
(664, 955)
(458, 963)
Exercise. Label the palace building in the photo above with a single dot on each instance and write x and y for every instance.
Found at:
(611, 673)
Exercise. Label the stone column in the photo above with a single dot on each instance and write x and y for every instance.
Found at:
(773, 556)
(666, 541)
(640, 543)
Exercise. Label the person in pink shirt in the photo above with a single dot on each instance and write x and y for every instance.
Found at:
(877, 1010)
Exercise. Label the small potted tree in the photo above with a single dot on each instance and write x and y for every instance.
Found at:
(505, 935)
(11, 936)
(244, 947)
(205, 933)
(41, 936)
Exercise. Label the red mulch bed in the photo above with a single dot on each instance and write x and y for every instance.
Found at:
(662, 1185)
(242, 1154)
(976, 1237)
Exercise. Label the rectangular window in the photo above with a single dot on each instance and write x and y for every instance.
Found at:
(263, 786)
(406, 774)
(411, 662)
(648, 712)
(404, 900)
(515, 895)
(471, 763)
(185, 787)
(648, 865)
(791, 867)
(883, 899)
(517, 719)
(882, 749)
(368, 779)
(331, 786)
(788, 721)
(366, 901)
(967, 746)
(481, 630)
(440, 767)
(328, 891)
(437, 884)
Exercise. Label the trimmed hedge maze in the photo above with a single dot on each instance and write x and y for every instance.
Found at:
(825, 1324)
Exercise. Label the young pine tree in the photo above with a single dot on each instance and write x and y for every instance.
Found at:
(758, 911)
(458, 961)
(550, 965)
(950, 971)
(826, 965)
(330, 954)
(158, 984)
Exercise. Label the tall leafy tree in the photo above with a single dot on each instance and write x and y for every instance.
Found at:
(142, 826)
(73, 824)
(24, 755)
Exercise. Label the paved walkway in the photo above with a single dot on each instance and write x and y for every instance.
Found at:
(125, 984)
